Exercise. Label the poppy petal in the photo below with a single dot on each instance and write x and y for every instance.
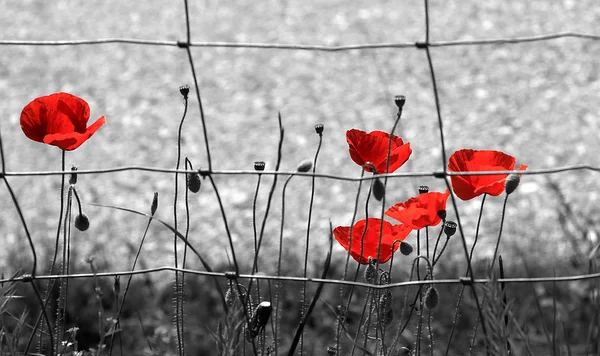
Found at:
(76, 109)
(72, 140)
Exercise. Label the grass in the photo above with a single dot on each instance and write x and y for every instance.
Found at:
(531, 100)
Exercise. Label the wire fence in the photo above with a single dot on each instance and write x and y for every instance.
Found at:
(443, 174)
(420, 45)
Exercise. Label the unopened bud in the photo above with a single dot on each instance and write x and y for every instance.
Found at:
(400, 100)
(512, 182)
(117, 286)
(423, 189)
(450, 228)
(73, 176)
(154, 203)
(442, 214)
(259, 319)
(230, 296)
(259, 166)
(304, 166)
(432, 298)
(319, 128)
(406, 248)
(384, 278)
(82, 222)
(184, 90)
(371, 271)
(193, 182)
(378, 189)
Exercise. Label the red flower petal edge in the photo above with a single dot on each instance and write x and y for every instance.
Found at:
(369, 246)
(469, 160)
(420, 211)
(59, 119)
(373, 147)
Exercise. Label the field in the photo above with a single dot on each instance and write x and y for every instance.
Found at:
(537, 101)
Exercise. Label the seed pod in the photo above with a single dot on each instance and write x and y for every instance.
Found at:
(82, 222)
(319, 128)
(406, 248)
(73, 176)
(378, 189)
(423, 189)
(193, 182)
(304, 166)
(512, 182)
(432, 298)
(331, 350)
(399, 100)
(184, 90)
(259, 165)
(450, 228)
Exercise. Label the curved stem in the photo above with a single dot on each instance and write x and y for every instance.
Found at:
(499, 233)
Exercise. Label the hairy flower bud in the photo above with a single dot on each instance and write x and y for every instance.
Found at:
(82, 222)
(193, 182)
(304, 166)
(432, 298)
(378, 189)
(406, 248)
(371, 271)
(512, 182)
(154, 203)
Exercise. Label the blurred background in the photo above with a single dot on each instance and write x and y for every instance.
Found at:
(537, 101)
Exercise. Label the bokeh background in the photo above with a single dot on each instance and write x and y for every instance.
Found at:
(537, 101)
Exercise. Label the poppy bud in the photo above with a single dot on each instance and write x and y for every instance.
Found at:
(154, 203)
(73, 176)
(259, 166)
(193, 182)
(432, 298)
(423, 189)
(512, 182)
(400, 100)
(450, 228)
(384, 278)
(371, 271)
(117, 286)
(442, 214)
(331, 350)
(404, 351)
(378, 189)
(319, 128)
(387, 317)
(184, 90)
(385, 301)
(230, 296)
(82, 222)
(304, 166)
(406, 248)
(259, 319)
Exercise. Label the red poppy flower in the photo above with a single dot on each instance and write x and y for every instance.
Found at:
(60, 120)
(420, 211)
(468, 160)
(373, 147)
(370, 243)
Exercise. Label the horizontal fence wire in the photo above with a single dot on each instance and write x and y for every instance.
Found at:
(305, 47)
(262, 276)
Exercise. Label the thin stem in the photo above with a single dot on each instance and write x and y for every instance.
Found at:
(178, 286)
(310, 209)
(462, 287)
(499, 232)
(255, 267)
(50, 284)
